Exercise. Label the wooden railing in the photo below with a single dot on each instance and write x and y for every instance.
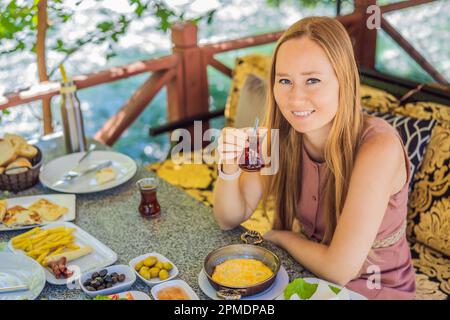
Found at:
(184, 72)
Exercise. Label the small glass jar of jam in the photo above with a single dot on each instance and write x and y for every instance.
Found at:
(251, 159)
(149, 206)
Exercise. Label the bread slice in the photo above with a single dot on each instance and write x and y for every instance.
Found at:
(20, 216)
(7, 153)
(48, 210)
(3, 207)
(28, 151)
(2, 170)
(18, 166)
(15, 140)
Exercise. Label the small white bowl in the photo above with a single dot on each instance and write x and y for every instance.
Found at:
(154, 281)
(137, 295)
(130, 278)
(179, 283)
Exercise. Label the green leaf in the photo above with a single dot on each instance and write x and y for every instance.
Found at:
(210, 16)
(105, 26)
(299, 286)
(110, 55)
(336, 290)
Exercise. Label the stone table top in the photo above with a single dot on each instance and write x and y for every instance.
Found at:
(185, 232)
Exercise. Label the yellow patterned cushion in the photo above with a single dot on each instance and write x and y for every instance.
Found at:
(256, 64)
(432, 273)
(429, 204)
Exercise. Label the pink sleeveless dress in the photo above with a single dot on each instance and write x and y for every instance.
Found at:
(394, 260)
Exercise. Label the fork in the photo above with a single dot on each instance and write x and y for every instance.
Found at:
(70, 176)
(74, 172)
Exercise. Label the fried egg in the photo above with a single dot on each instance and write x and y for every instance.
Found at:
(241, 272)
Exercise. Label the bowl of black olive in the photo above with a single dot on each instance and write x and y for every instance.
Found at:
(108, 280)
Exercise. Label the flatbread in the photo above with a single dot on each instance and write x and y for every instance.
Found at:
(48, 210)
(20, 216)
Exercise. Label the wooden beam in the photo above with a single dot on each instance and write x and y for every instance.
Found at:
(117, 73)
(186, 122)
(241, 43)
(411, 51)
(128, 113)
(176, 99)
(264, 38)
(403, 5)
(398, 86)
(51, 88)
(194, 78)
(216, 64)
(42, 27)
(366, 39)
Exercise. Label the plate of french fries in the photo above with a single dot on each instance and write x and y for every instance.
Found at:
(63, 249)
(31, 211)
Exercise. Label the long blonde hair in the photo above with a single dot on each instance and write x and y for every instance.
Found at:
(341, 144)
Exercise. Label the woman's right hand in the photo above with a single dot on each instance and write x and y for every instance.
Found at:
(235, 200)
(230, 147)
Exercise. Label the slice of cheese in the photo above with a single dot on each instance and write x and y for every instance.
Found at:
(48, 210)
(20, 216)
(105, 175)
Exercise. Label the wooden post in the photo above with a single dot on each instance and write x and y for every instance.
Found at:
(188, 93)
(366, 41)
(42, 67)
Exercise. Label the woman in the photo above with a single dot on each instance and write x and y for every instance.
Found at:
(343, 176)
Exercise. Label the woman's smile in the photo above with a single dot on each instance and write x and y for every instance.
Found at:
(300, 115)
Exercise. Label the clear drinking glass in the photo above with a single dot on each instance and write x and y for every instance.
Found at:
(251, 159)
(149, 206)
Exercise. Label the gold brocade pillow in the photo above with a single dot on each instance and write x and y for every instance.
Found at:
(429, 202)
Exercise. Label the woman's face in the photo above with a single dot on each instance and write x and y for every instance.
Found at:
(306, 88)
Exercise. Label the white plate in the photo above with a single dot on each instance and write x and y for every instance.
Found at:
(100, 257)
(19, 270)
(172, 283)
(172, 273)
(54, 170)
(64, 200)
(130, 278)
(137, 295)
(277, 287)
(353, 295)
